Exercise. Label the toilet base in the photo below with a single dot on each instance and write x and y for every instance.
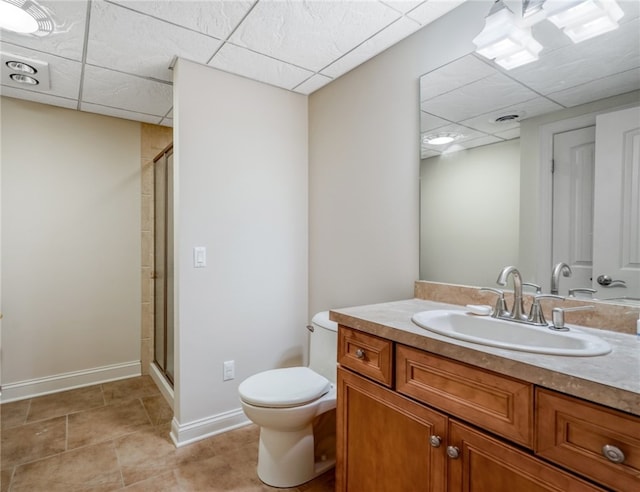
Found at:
(286, 459)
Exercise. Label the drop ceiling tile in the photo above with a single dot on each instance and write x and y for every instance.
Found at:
(508, 134)
(482, 96)
(389, 36)
(217, 19)
(166, 122)
(249, 64)
(64, 74)
(430, 10)
(141, 45)
(38, 97)
(425, 154)
(312, 84)
(479, 142)
(598, 89)
(123, 91)
(430, 122)
(571, 65)
(305, 34)
(118, 113)
(403, 6)
(461, 72)
(67, 39)
(527, 109)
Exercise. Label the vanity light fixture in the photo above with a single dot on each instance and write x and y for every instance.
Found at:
(25, 17)
(506, 37)
(583, 19)
(440, 138)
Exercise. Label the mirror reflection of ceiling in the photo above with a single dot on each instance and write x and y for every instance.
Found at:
(468, 95)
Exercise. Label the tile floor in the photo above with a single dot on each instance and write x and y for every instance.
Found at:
(115, 436)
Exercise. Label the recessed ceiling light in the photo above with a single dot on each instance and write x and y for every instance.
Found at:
(19, 66)
(24, 79)
(24, 17)
(441, 138)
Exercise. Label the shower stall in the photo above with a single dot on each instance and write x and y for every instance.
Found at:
(163, 301)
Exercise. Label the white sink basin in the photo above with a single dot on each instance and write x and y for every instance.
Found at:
(510, 335)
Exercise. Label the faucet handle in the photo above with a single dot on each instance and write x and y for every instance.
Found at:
(581, 290)
(535, 286)
(536, 315)
(557, 315)
(501, 304)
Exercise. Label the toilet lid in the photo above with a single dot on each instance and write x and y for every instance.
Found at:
(289, 387)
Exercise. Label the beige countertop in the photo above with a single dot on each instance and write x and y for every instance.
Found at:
(612, 379)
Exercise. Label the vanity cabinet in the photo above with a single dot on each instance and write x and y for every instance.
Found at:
(442, 425)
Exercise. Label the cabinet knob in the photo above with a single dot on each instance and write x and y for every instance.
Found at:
(453, 452)
(613, 453)
(360, 354)
(435, 441)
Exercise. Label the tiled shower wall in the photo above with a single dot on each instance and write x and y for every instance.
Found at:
(154, 139)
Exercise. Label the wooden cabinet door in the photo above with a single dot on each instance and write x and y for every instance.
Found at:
(384, 440)
(487, 464)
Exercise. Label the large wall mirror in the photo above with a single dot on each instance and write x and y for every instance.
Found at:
(528, 178)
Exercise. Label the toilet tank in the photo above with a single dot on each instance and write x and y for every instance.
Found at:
(323, 346)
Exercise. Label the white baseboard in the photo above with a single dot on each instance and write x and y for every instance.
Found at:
(162, 384)
(69, 380)
(183, 434)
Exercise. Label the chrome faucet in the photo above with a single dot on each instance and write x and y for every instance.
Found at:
(517, 312)
(555, 276)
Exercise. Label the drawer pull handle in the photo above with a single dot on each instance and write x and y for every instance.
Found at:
(453, 452)
(435, 441)
(360, 354)
(613, 453)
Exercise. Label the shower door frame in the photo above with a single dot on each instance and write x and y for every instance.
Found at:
(162, 274)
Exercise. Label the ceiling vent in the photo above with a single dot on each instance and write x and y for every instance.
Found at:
(24, 73)
(509, 118)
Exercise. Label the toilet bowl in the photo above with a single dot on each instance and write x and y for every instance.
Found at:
(285, 402)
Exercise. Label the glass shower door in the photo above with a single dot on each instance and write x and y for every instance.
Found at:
(163, 263)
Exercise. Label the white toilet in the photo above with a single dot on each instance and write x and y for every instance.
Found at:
(284, 403)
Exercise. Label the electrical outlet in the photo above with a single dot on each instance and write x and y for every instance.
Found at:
(228, 370)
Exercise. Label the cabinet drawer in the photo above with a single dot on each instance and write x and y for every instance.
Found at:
(494, 402)
(572, 433)
(366, 354)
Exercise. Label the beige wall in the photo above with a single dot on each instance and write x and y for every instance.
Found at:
(70, 248)
(240, 159)
(469, 211)
(364, 161)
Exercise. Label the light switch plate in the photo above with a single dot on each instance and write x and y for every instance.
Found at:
(199, 257)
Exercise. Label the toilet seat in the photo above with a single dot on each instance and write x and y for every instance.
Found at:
(283, 388)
